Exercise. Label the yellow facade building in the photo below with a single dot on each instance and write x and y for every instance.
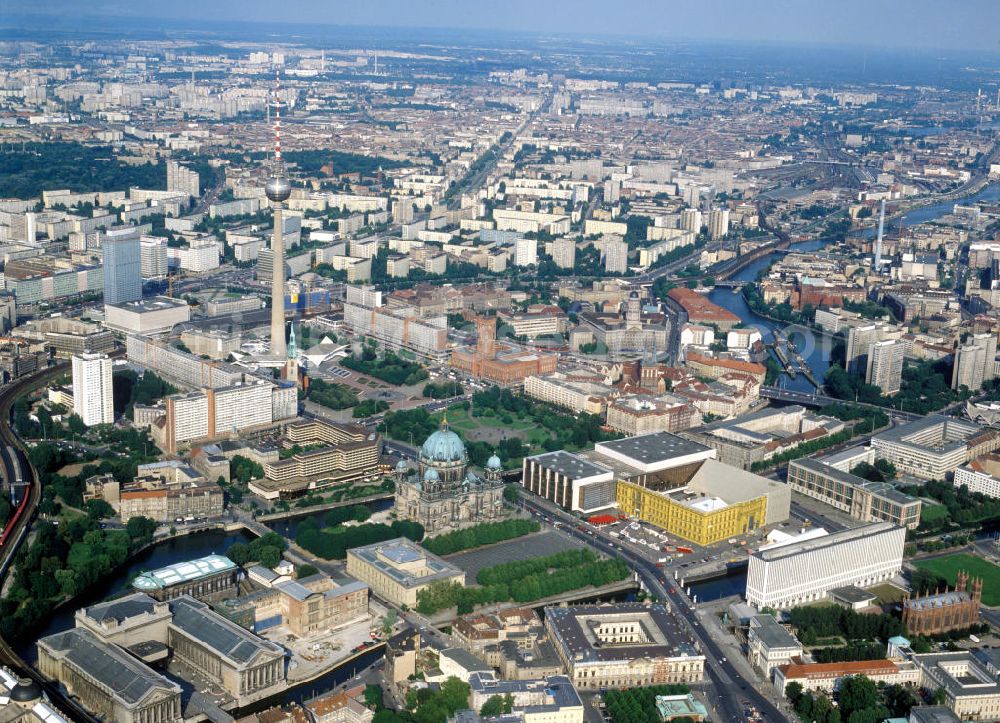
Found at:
(715, 503)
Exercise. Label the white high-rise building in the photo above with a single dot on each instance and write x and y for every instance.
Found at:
(526, 252)
(616, 256)
(153, 252)
(885, 365)
(718, 222)
(691, 220)
(859, 342)
(93, 399)
(183, 180)
(970, 363)
(564, 252)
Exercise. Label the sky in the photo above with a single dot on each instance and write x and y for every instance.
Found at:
(915, 24)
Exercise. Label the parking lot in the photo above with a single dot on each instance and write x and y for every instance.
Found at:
(522, 548)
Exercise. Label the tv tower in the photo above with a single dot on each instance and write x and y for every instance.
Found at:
(878, 243)
(278, 189)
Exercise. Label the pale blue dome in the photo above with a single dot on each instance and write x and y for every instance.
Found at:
(401, 466)
(493, 463)
(431, 475)
(443, 446)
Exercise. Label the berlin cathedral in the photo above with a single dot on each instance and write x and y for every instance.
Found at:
(444, 494)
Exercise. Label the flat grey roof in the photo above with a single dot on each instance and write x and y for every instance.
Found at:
(569, 464)
(772, 632)
(878, 489)
(851, 594)
(654, 447)
(401, 551)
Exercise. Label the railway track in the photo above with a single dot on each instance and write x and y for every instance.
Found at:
(14, 536)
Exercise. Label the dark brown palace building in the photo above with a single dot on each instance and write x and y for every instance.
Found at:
(944, 611)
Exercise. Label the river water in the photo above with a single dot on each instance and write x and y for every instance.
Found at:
(169, 552)
(813, 348)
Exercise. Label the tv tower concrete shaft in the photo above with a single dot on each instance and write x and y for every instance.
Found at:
(278, 189)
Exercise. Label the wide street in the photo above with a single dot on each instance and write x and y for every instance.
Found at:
(729, 683)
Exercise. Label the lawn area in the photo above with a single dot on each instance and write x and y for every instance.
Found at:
(949, 565)
(932, 511)
(887, 593)
(492, 429)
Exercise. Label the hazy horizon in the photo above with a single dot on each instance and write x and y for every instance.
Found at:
(968, 25)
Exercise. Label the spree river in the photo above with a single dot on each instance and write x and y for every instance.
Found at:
(814, 347)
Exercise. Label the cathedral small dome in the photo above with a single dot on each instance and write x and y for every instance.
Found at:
(401, 466)
(431, 475)
(494, 463)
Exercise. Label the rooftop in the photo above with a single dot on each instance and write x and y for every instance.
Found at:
(818, 543)
(390, 556)
(216, 632)
(573, 629)
(569, 464)
(653, 448)
(129, 679)
(157, 303)
(771, 633)
(121, 609)
(183, 572)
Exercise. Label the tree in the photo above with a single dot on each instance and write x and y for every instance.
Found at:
(305, 571)
(99, 509)
(496, 705)
(388, 622)
(140, 529)
(239, 553)
(857, 693)
(373, 696)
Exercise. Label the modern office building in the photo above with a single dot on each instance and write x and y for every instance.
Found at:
(707, 502)
(177, 365)
(800, 572)
(107, 680)
(93, 395)
(570, 480)
(564, 252)
(153, 257)
(397, 570)
(981, 475)
(334, 454)
(122, 267)
(885, 365)
(975, 362)
(396, 329)
(757, 437)
(157, 315)
(526, 252)
(718, 223)
(645, 414)
(622, 645)
(862, 499)
(934, 446)
(860, 340)
(183, 180)
(615, 255)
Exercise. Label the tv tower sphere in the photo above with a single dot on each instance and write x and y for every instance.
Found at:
(278, 189)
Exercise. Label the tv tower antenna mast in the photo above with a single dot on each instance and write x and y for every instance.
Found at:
(878, 243)
(278, 189)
